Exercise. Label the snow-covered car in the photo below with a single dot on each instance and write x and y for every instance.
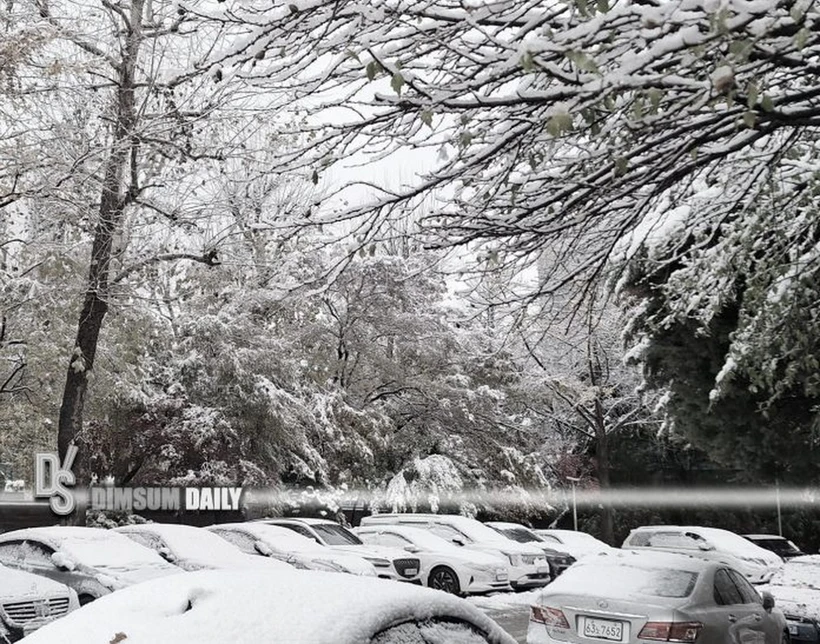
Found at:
(527, 566)
(28, 602)
(558, 560)
(577, 544)
(299, 606)
(390, 563)
(447, 567)
(631, 597)
(92, 561)
(796, 587)
(782, 547)
(253, 537)
(193, 548)
(755, 563)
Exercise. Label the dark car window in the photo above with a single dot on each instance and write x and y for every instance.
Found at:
(393, 540)
(37, 554)
(726, 593)
(549, 537)
(430, 632)
(746, 589)
(640, 538)
(336, 535)
(11, 553)
(448, 532)
(298, 529)
(242, 540)
(147, 540)
(519, 534)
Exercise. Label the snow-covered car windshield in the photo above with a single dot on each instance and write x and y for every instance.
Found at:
(336, 535)
(117, 552)
(521, 535)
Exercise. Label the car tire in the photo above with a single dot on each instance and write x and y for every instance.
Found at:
(444, 578)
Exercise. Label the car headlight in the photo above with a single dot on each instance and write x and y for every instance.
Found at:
(515, 560)
(379, 563)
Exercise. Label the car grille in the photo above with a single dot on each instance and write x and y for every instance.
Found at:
(22, 613)
(407, 567)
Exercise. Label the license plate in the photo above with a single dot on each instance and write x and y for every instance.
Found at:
(411, 571)
(543, 569)
(501, 576)
(792, 629)
(603, 629)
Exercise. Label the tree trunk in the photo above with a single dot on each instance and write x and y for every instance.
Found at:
(602, 472)
(112, 202)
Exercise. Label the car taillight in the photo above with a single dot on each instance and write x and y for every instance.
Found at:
(548, 616)
(671, 631)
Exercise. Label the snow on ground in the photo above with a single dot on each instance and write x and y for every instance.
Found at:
(502, 601)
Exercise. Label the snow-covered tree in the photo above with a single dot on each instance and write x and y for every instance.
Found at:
(570, 127)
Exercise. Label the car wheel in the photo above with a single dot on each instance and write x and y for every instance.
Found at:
(443, 578)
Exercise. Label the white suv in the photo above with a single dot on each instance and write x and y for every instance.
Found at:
(527, 565)
(390, 563)
(755, 563)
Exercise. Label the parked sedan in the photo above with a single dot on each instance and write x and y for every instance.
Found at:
(638, 596)
(28, 602)
(193, 548)
(558, 560)
(255, 538)
(449, 568)
(298, 606)
(92, 561)
(797, 589)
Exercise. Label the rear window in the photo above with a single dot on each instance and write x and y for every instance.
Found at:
(625, 581)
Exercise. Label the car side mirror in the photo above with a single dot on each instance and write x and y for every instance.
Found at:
(705, 546)
(263, 548)
(411, 548)
(63, 561)
(768, 600)
(166, 554)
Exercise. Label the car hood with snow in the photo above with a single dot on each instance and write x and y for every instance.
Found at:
(213, 607)
(18, 585)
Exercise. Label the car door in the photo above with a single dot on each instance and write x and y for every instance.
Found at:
(737, 619)
(761, 619)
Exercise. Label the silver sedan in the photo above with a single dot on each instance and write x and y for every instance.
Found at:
(639, 596)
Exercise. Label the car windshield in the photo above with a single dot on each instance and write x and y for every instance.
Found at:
(624, 581)
(195, 544)
(117, 552)
(521, 535)
(336, 535)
